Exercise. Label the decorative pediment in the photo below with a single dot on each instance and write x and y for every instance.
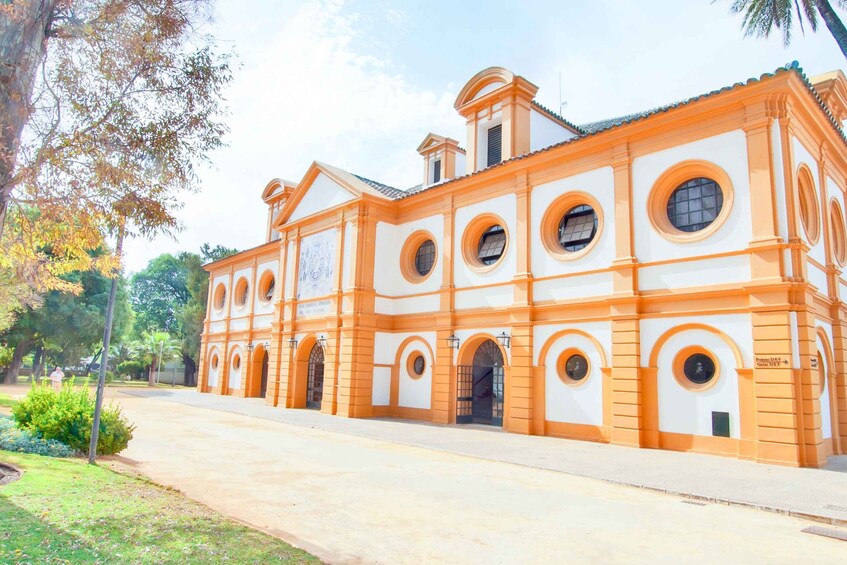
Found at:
(323, 187)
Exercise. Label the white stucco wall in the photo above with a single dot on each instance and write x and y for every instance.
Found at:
(390, 239)
(722, 270)
(412, 393)
(322, 194)
(412, 305)
(259, 305)
(575, 404)
(504, 207)
(684, 411)
(415, 392)
(739, 327)
(779, 184)
(573, 288)
(234, 381)
(728, 151)
(381, 393)
(600, 185)
(825, 401)
(544, 132)
(214, 313)
(212, 379)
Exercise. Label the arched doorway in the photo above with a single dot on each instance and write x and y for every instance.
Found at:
(264, 386)
(827, 432)
(480, 387)
(315, 384)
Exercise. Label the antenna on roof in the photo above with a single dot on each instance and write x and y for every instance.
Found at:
(562, 105)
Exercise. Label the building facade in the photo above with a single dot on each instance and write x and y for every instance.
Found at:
(670, 279)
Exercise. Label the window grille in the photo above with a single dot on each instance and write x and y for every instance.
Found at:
(577, 228)
(491, 245)
(695, 204)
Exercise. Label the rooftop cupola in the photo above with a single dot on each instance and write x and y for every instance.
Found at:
(275, 195)
(496, 105)
(443, 159)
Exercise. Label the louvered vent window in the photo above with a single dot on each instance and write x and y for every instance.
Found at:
(495, 145)
(491, 245)
(436, 173)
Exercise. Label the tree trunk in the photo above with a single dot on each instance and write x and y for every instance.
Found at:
(37, 362)
(151, 376)
(833, 22)
(190, 374)
(17, 361)
(23, 42)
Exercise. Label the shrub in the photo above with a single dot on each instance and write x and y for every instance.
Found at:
(13, 438)
(66, 416)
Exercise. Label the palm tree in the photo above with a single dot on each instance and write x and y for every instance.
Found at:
(761, 16)
(158, 346)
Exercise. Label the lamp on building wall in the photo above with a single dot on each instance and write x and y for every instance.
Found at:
(250, 347)
(504, 339)
(267, 346)
(453, 342)
(322, 341)
(292, 343)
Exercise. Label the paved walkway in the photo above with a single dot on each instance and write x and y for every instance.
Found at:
(818, 493)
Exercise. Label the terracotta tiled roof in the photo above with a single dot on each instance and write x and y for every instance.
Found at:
(389, 191)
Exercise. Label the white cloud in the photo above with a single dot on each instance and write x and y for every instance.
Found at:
(310, 92)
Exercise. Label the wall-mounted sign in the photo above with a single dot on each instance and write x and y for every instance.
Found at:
(772, 362)
(814, 362)
(318, 308)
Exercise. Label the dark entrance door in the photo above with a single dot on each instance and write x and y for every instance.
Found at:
(480, 387)
(315, 388)
(264, 390)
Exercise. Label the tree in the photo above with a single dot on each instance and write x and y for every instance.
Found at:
(170, 295)
(102, 102)
(67, 326)
(157, 346)
(762, 16)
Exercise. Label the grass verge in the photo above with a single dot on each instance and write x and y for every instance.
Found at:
(67, 511)
(7, 401)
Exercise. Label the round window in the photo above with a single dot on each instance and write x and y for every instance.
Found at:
(577, 228)
(215, 362)
(492, 244)
(236, 362)
(267, 286)
(695, 204)
(699, 368)
(241, 292)
(576, 367)
(425, 257)
(573, 367)
(220, 296)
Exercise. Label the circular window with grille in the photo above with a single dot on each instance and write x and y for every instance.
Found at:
(571, 225)
(485, 242)
(418, 257)
(695, 368)
(690, 201)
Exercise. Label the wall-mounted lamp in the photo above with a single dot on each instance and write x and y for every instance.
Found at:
(504, 339)
(322, 341)
(250, 347)
(453, 342)
(267, 346)
(292, 343)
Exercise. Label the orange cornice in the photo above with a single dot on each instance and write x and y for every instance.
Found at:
(245, 256)
(433, 141)
(832, 88)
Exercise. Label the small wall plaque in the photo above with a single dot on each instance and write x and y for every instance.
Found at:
(772, 362)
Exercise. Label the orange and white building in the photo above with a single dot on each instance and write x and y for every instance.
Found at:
(671, 279)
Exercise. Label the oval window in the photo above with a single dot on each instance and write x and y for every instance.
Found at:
(267, 286)
(241, 292)
(220, 296)
(214, 362)
(236, 362)
(695, 204)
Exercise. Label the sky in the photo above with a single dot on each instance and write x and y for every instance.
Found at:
(358, 84)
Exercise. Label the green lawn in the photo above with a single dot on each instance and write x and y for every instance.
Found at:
(7, 401)
(65, 511)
